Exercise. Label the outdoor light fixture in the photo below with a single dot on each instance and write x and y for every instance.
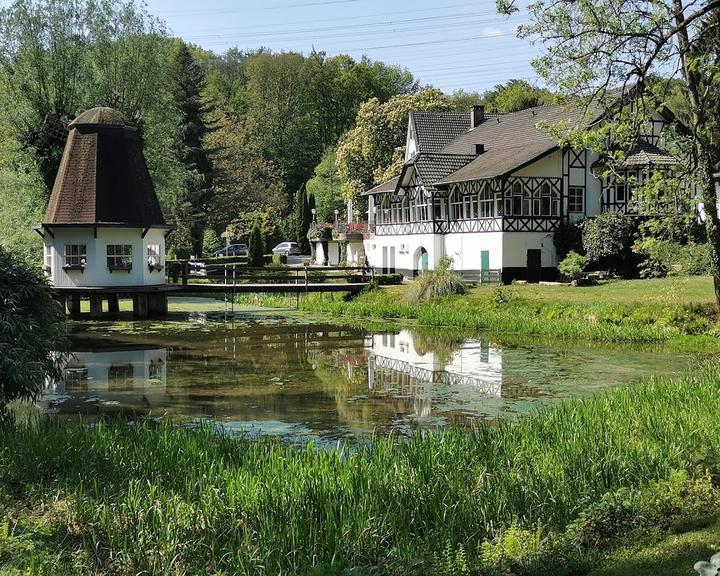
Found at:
(336, 214)
(313, 213)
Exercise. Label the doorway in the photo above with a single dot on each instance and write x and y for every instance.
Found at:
(484, 266)
(534, 266)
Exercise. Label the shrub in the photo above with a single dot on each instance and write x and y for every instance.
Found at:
(664, 257)
(279, 259)
(608, 239)
(442, 281)
(567, 238)
(32, 331)
(573, 266)
(179, 252)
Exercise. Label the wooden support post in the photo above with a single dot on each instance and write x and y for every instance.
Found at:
(140, 306)
(157, 305)
(75, 306)
(113, 304)
(96, 306)
(185, 272)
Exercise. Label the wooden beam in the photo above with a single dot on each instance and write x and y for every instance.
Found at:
(144, 232)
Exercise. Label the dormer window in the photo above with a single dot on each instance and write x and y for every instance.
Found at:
(119, 257)
(75, 257)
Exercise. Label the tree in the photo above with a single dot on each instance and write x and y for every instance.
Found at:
(189, 80)
(610, 51)
(373, 151)
(211, 242)
(326, 187)
(608, 239)
(302, 220)
(573, 266)
(516, 95)
(256, 246)
(32, 332)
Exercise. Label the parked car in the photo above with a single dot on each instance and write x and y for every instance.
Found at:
(232, 250)
(287, 248)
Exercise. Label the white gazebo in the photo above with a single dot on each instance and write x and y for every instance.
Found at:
(104, 231)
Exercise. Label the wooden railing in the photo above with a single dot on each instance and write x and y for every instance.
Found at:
(235, 274)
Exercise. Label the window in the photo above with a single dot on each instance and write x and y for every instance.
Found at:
(545, 200)
(120, 377)
(576, 199)
(620, 193)
(439, 208)
(422, 213)
(75, 255)
(385, 210)
(405, 210)
(153, 257)
(486, 202)
(456, 206)
(470, 207)
(47, 258)
(119, 256)
(514, 200)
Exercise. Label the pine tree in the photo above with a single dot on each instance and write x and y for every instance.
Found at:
(302, 220)
(189, 82)
(256, 248)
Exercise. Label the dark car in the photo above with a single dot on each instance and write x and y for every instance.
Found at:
(232, 250)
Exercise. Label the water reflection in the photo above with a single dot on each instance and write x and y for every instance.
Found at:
(281, 376)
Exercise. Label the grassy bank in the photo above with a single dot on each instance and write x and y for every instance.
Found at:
(543, 495)
(678, 311)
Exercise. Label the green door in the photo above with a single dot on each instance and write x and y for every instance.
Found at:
(484, 266)
(424, 260)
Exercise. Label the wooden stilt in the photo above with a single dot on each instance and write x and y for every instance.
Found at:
(140, 306)
(96, 307)
(75, 306)
(113, 304)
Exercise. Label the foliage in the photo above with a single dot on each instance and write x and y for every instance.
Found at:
(567, 238)
(516, 95)
(211, 242)
(573, 266)
(179, 252)
(431, 284)
(629, 66)
(665, 257)
(373, 151)
(279, 259)
(256, 246)
(582, 474)
(607, 241)
(326, 187)
(32, 331)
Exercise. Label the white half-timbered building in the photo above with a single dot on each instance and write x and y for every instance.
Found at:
(489, 191)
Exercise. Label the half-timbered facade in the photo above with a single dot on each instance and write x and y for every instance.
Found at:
(489, 191)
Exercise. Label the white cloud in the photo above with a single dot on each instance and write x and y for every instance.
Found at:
(490, 31)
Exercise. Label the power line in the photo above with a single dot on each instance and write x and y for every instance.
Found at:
(259, 9)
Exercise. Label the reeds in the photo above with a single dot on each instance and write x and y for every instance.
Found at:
(166, 500)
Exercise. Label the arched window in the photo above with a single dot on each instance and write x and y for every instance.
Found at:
(516, 206)
(485, 200)
(385, 210)
(405, 210)
(545, 200)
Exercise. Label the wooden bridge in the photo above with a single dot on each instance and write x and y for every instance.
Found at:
(196, 277)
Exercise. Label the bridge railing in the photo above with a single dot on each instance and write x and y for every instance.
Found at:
(234, 274)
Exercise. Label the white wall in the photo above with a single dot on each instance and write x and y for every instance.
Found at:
(465, 249)
(96, 272)
(516, 245)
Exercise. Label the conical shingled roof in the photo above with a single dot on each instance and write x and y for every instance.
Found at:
(103, 177)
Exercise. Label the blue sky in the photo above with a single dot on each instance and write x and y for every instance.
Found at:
(456, 44)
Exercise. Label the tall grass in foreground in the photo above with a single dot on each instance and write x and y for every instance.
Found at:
(162, 499)
(442, 281)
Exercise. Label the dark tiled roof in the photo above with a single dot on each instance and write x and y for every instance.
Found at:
(511, 141)
(388, 186)
(103, 177)
(433, 167)
(645, 154)
(101, 115)
(435, 130)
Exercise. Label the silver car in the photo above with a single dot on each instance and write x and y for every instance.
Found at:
(287, 248)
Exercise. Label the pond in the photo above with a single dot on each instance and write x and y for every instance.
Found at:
(283, 374)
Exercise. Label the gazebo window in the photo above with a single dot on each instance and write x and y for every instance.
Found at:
(153, 257)
(75, 256)
(486, 201)
(47, 258)
(119, 256)
(576, 199)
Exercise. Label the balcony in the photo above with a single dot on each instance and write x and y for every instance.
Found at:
(350, 231)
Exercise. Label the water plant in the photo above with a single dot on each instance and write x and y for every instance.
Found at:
(430, 284)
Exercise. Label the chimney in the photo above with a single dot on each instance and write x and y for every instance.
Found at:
(477, 115)
(479, 149)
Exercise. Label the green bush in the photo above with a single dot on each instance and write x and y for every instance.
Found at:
(179, 252)
(32, 331)
(256, 246)
(567, 238)
(608, 240)
(573, 266)
(211, 241)
(279, 259)
(664, 257)
(442, 281)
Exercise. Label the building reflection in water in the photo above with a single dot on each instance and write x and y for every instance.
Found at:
(409, 365)
(116, 370)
